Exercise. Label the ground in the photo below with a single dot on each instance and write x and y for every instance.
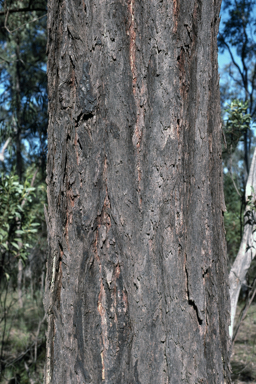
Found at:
(22, 347)
(22, 326)
(243, 360)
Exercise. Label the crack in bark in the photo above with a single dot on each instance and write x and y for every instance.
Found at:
(81, 117)
(191, 302)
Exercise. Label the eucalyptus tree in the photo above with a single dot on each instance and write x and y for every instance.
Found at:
(23, 92)
(238, 38)
(23, 95)
(136, 287)
(23, 147)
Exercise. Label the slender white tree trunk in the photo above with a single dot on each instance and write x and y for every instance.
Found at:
(20, 269)
(247, 250)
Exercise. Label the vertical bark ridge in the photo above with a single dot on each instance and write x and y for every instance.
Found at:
(138, 94)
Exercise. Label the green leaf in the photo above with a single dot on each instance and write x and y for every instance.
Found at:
(19, 232)
(15, 245)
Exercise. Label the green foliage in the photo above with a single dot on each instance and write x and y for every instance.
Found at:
(23, 119)
(21, 229)
(237, 122)
(21, 219)
(17, 217)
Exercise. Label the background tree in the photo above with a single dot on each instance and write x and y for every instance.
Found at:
(23, 112)
(235, 122)
(237, 36)
(23, 123)
(136, 279)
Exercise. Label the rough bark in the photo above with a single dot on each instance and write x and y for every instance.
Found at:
(247, 250)
(136, 286)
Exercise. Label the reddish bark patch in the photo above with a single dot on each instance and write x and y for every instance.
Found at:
(176, 8)
(182, 72)
(76, 149)
(132, 48)
(117, 271)
(125, 301)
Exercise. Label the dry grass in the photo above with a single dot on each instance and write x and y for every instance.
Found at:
(22, 325)
(243, 361)
(23, 347)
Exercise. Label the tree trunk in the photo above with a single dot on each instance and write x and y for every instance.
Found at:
(136, 285)
(247, 250)
(18, 113)
(20, 270)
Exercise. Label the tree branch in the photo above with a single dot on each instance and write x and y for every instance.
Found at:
(232, 58)
(32, 21)
(243, 55)
(230, 171)
(27, 9)
(3, 149)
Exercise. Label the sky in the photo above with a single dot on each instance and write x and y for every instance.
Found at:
(224, 58)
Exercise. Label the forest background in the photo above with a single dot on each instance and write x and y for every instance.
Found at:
(23, 153)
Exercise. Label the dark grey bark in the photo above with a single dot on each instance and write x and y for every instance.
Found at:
(136, 288)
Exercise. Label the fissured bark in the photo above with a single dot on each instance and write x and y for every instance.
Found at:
(136, 287)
